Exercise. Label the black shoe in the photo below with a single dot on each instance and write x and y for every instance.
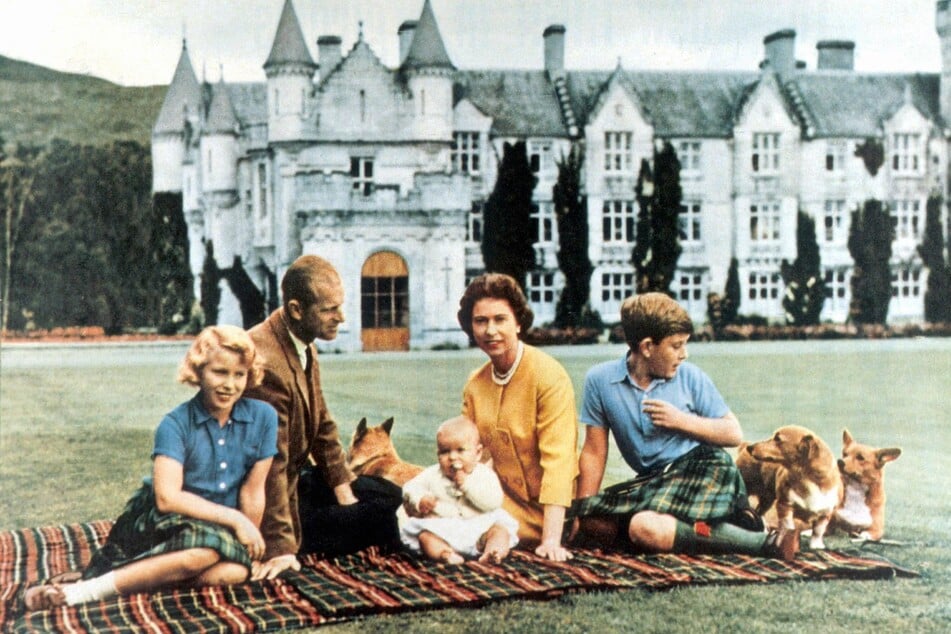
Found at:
(782, 544)
(748, 519)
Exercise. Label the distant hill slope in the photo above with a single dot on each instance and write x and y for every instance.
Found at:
(38, 104)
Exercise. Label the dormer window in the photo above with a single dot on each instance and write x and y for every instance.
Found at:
(618, 157)
(835, 156)
(906, 153)
(765, 155)
(465, 152)
(688, 153)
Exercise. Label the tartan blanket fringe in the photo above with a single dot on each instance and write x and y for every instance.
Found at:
(373, 582)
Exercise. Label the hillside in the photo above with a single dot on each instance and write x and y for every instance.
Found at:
(38, 104)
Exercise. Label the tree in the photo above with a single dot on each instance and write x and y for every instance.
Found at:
(17, 178)
(724, 310)
(657, 243)
(805, 286)
(507, 237)
(250, 299)
(870, 244)
(210, 292)
(931, 250)
(169, 254)
(571, 212)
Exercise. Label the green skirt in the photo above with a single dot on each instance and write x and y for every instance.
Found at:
(703, 484)
(142, 532)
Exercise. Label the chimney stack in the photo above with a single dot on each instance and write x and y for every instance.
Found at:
(781, 51)
(328, 53)
(406, 32)
(836, 55)
(554, 37)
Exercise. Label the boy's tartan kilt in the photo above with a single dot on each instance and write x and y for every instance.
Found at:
(703, 484)
(142, 531)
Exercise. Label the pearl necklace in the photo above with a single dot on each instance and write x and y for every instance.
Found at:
(503, 379)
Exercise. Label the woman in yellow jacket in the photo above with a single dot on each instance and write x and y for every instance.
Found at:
(523, 402)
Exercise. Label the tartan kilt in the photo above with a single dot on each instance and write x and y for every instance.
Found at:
(703, 484)
(142, 532)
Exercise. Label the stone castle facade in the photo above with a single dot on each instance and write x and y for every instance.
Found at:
(384, 171)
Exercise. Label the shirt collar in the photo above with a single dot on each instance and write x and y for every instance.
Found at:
(299, 347)
(240, 413)
(621, 374)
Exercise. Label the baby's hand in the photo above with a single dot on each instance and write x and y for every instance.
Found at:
(459, 475)
(426, 505)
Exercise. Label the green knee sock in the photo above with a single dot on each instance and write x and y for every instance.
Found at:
(722, 537)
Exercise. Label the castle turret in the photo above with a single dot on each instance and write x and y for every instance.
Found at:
(219, 144)
(290, 73)
(179, 111)
(429, 72)
(943, 26)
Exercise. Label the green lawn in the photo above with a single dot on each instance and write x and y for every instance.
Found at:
(76, 425)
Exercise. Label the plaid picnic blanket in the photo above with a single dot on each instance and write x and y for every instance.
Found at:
(371, 582)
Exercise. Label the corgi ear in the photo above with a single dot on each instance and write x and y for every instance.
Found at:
(387, 425)
(887, 455)
(805, 446)
(361, 429)
(846, 438)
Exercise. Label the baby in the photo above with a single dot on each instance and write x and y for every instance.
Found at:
(448, 508)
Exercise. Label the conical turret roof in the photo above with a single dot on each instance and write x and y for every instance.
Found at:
(184, 93)
(289, 46)
(221, 116)
(427, 49)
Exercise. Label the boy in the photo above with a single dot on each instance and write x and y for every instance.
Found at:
(449, 507)
(670, 424)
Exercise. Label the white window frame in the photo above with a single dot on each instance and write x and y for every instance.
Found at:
(764, 158)
(466, 152)
(543, 222)
(836, 151)
(689, 153)
(541, 288)
(690, 289)
(619, 152)
(616, 286)
(474, 224)
(765, 220)
(908, 218)
(361, 171)
(906, 282)
(689, 221)
(838, 287)
(618, 222)
(540, 157)
(833, 221)
(907, 153)
(764, 286)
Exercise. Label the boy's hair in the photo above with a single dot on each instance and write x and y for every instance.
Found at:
(494, 286)
(653, 316)
(460, 423)
(221, 338)
(305, 276)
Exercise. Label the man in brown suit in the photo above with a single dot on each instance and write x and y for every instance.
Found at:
(313, 502)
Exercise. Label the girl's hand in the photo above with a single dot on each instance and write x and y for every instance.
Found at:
(250, 537)
(554, 552)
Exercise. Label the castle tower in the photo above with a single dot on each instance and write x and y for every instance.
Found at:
(943, 26)
(429, 72)
(179, 111)
(290, 72)
(219, 144)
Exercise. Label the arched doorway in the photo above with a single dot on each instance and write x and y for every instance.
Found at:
(384, 302)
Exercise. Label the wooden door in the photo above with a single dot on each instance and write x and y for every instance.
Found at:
(384, 303)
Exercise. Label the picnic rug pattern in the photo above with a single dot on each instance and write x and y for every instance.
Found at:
(371, 582)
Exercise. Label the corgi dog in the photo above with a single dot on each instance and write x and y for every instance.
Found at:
(862, 515)
(372, 453)
(796, 469)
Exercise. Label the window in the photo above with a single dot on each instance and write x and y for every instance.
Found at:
(835, 156)
(618, 221)
(906, 216)
(764, 286)
(262, 190)
(764, 222)
(689, 154)
(906, 282)
(765, 159)
(277, 101)
(541, 288)
(540, 157)
(474, 228)
(617, 152)
(906, 153)
(465, 152)
(833, 221)
(690, 289)
(689, 222)
(361, 171)
(616, 286)
(837, 289)
(543, 222)
(384, 302)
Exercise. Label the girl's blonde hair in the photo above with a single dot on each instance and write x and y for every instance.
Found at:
(224, 338)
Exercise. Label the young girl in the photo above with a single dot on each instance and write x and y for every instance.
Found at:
(195, 521)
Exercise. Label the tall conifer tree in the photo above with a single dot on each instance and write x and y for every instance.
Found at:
(805, 286)
(870, 244)
(571, 212)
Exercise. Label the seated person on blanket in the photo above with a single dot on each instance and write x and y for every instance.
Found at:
(450, 506)
(196, 521)
(670, 424)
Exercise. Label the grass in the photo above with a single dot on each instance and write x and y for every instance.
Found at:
(76, 425)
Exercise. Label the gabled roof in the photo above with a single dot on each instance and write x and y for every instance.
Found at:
(521, 103)
(289, 45)
(427, 49)
(183, 93)
(221, 116)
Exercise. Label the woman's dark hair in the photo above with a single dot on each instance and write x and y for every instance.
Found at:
(494, 286)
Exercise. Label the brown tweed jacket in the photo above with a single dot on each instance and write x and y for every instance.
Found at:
(306, 433)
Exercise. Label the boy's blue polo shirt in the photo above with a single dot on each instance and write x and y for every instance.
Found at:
(216, 459)
(612, 400)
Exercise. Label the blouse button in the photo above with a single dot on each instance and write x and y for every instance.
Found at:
(223, 465)
(221, 441)
(222, 486)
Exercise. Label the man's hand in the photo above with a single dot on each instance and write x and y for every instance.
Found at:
(344, 494)
(273, 567)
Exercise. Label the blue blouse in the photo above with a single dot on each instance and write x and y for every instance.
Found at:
(215, 458)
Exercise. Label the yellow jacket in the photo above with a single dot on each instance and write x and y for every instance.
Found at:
(530, 429)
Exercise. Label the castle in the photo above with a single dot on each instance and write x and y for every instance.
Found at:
(384, 171)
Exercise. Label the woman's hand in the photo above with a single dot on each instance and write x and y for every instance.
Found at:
(554, 552)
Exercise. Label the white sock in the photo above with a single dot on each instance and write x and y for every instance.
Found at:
(101, 587)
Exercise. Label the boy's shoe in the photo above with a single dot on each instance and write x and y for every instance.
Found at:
(782, 544)
(748, 519)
